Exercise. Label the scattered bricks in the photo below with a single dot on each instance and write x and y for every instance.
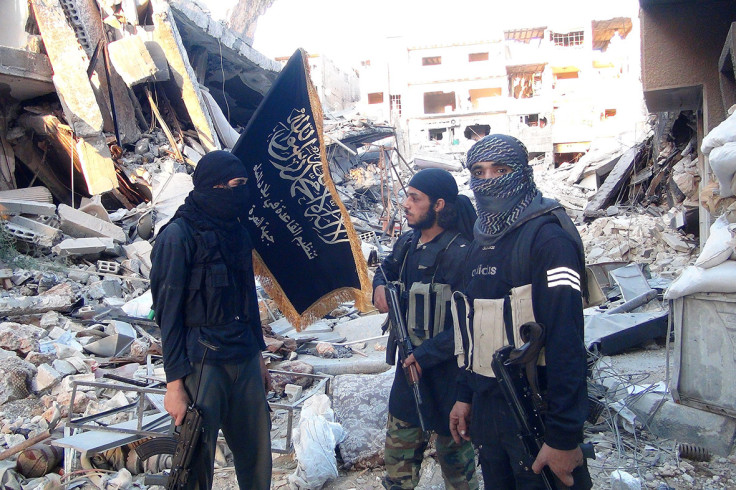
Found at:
(17, 206)
(79, 224)
(108, 266)
(46, 377)
(85, 246)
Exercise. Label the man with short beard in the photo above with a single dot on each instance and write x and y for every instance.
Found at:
(204, 289)
(426, 264)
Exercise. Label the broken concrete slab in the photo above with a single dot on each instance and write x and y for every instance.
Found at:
(613, 183)
(166, 34)
(29, 305)
(70, 68)
(37, 193)
(132, 60)
(97, 165)
(46, 377)
(79, 224)
(27, 74)
(14, 207)
(85, 246)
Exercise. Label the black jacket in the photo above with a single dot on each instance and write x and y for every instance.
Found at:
(195, 294)
(436, 355)
(557, 304)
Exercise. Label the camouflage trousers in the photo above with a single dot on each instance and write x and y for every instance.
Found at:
(405, 446)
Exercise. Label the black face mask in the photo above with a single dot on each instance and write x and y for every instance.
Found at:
(226, 203)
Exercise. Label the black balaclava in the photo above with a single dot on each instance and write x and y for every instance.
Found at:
(501, 200)
(208, 208)
(439, 184)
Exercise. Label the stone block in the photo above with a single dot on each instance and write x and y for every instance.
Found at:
(85, 246)
(107, 288)
(45, 378)
(78, 224)
(20, 338)
(131, 60)
(64, 367)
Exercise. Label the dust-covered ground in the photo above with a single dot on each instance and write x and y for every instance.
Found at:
(654, 462)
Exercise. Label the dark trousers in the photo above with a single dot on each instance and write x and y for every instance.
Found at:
(503, 460)
(232, 398)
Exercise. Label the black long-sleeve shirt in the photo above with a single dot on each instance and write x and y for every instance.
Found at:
(173, 256)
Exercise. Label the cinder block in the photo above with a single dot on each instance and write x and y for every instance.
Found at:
(108, 266)
(16, 206)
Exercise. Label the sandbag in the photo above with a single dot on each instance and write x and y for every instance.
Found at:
(723, 162)
(719, 247)
(720, 135)
(718, 279)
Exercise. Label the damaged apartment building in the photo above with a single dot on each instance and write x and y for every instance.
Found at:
(86, 81)
(557, 87)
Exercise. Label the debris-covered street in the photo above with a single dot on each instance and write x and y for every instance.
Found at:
(108, 106)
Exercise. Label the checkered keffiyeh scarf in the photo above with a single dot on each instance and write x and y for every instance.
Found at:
(500, 201)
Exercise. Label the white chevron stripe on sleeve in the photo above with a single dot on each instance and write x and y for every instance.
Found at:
(563, 282)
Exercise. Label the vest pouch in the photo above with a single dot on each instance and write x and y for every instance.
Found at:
(522, 311)
(211, 298)
(441, 294)
(489, 334)
(462, 319)
(418, 313)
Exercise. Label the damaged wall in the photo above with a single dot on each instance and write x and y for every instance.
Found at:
(681, 43)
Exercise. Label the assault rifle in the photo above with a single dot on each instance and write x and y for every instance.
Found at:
(187, 435)
(400, 336)
(516, 372)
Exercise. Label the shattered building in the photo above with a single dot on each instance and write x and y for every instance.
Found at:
(549, 85)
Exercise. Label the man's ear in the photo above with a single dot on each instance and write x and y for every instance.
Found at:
(439, 205)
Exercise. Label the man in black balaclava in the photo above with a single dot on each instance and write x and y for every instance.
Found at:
(426, 263)
(525, 265)
(204, 289)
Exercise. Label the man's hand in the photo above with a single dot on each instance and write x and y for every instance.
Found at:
(559, 461)
(412, 360)
(176, 400)
(265, 375)
(379, 299)
(460, 421)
